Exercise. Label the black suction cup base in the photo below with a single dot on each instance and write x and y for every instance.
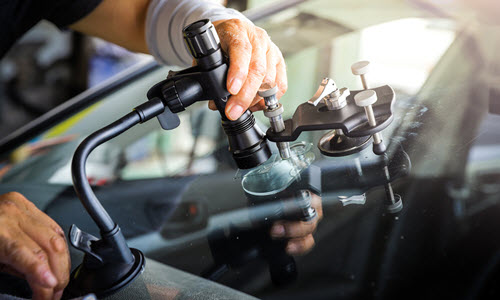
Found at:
(335, 145)
(106, 280)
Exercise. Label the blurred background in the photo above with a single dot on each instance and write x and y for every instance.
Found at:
(49, 66)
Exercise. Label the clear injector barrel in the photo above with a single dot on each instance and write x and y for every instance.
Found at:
(274, 111)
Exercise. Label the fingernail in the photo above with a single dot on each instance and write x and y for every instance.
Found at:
(49, 278)
(278, 231)
(291, 248)
(235, 86)
(235, 112)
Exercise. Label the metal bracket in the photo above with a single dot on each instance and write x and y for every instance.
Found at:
(83, 242)
(351, 119)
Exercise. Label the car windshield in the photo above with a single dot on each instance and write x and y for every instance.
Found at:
(179, 197)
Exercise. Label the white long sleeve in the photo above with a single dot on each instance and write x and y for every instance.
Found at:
(166, 19)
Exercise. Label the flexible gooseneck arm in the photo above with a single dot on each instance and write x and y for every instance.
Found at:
(109, 264)
(82, 187)
(110, 232)
(80, 182)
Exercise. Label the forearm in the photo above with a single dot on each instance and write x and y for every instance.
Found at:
(151, 26)
(156, 26)
(118, 21)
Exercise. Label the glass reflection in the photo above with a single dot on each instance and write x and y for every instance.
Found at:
(277, 174)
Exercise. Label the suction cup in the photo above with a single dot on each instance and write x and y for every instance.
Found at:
(336, 144)
(106, 279)
(277, 174)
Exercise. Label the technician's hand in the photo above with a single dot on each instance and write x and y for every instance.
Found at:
(33, 247)
(299, 234)
(254, 61)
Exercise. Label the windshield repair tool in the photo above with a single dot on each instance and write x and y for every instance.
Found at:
(335, 143)
(109, 264)
(274, 111)
(333, 108)
(356, 117)
(207, 80)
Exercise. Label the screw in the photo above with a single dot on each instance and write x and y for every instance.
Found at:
(361, 68)
(274, 111)
(365, 99)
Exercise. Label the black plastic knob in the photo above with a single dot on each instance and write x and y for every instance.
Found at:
(203, 43)
(201, 38)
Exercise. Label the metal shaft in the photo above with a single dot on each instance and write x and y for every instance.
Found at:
(274, 112)
(377, 138)
(308, 212)
(388, 188)
(391, 201)
(278, 125)
(363, 82)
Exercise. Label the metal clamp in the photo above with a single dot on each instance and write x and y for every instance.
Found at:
(326, 87)
(83, 242)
